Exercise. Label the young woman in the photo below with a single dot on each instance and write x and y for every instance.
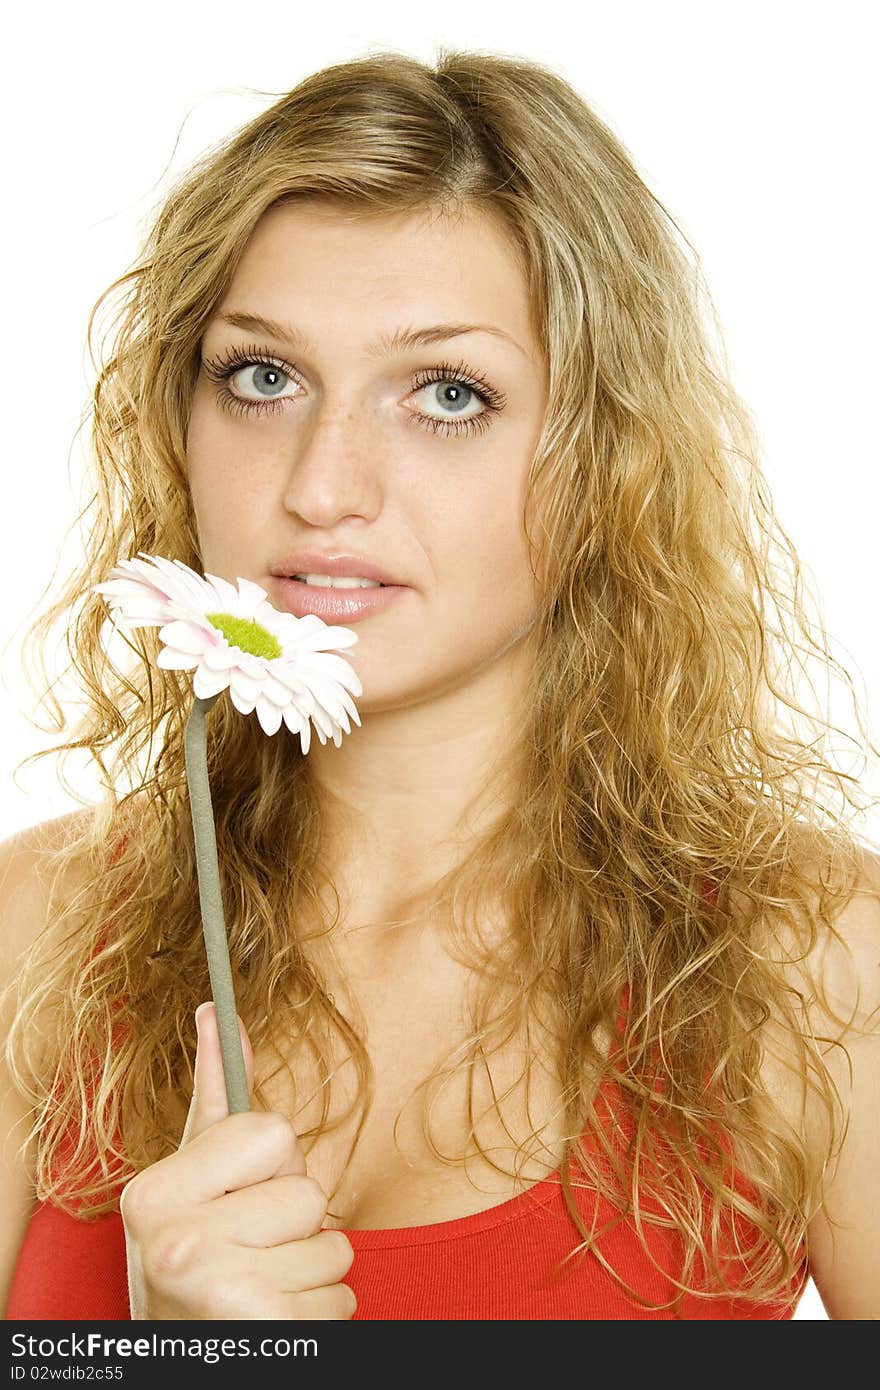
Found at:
(556, 979)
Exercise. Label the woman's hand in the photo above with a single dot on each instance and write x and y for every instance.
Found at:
(229, 1226)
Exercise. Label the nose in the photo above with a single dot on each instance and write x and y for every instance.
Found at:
(335, 471)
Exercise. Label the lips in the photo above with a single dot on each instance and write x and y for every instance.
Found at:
(340, 606)
(337, 566)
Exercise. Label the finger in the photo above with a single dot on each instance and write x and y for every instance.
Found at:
(209, 1103)
(320, 1260)
(236, 1152)
(337, 1301)
(289, 1207)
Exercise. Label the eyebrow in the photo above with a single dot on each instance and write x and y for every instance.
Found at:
(398, 341)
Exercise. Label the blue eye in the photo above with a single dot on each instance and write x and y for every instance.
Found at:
(273, 370)
(446, 375)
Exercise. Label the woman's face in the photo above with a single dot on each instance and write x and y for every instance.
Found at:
(358, 454)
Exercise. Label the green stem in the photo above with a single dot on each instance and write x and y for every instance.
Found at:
(213, 925)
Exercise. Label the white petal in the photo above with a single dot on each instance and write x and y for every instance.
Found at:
(339, 719)
(251, 598)
(178, 581)
(220, 658)
(124, 589)
(163, 587)
(140, 603)
(245, 685)
(288, 673)
(269, 716)
(322, 670)
(276, 622)
(186, 592)
(286, 627)
(348, 703)
(242, 703)
(252, 666)
(130, 618)
(342, 669)
(207, 683)
(227, 593)
(295, 713)
(275, 690)
(307, 629)
(296, 723)
(171, 659)
(141, 572)
(336, 668)
(188, 636)
(323, 725)
(196, 587)
(326, 635)
(302, 697)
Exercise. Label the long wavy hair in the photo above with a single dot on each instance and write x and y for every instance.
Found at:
(655, 758)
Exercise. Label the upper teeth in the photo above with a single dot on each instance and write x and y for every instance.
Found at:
(342, 582)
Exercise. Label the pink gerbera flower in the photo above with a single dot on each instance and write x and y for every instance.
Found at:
(272, 662)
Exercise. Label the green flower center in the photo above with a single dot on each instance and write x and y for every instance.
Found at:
(244, 633)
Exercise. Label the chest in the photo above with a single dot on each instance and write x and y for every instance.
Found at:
(413, 1157)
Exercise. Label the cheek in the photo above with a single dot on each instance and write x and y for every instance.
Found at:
(489, 561)
(498, 535)
(213, 463)
(205, 442)
(214, 495)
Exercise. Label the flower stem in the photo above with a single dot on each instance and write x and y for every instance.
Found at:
(211, 901)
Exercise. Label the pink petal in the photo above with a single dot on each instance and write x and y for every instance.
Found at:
(171, 579)
(188, 636)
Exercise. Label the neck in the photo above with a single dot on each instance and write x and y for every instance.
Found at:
(406, 793)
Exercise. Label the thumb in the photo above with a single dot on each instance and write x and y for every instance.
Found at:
(209, 1103)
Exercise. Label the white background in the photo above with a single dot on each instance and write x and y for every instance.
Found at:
(755, 124)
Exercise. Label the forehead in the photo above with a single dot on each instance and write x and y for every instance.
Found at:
(311, 264)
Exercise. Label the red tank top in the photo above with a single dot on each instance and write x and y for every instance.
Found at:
(500, 1263)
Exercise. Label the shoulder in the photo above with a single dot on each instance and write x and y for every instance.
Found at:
(51, 898)
(26, 878)
(46, 881)
(844, 1236)
(30, 872)
(28, 864)
(48, 835)
(839, 977)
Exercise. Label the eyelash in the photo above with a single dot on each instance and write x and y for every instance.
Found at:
(222, 369)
